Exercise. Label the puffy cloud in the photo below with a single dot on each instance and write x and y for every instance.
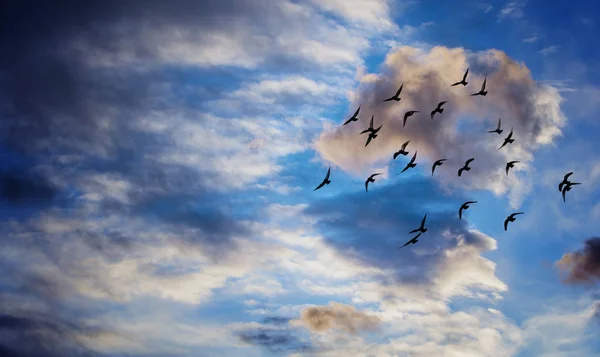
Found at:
(531, 109)
(338, 316)
(582, 266)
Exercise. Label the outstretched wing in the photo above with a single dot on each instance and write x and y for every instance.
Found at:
(567, 176)
(405, 145)
(328, 172)
(483, 85)
(321, 185)
(367, 185)
(469, 161)
(465, 76)
(499, 123)
(369, 140)
(460, 171)
(564, 191)
(399, 90)
(412, 161)
(460, 212)
(356, 113)
(505, 224)
(423, 221)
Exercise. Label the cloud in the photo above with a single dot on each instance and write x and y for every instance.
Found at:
(338, 316)
(582, 266)
(531, 39)
(25, 188)
(548, 50)
(513, 10)
(275, 340)
(532, 109)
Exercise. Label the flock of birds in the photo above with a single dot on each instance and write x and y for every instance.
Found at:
(564, 186)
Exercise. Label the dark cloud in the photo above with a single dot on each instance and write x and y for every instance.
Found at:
(25, 189)
(276, 320)
(275, 340)
(582, 266)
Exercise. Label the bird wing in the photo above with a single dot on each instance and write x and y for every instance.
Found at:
(376, 130)
(399, 90)
(387, 100)
(517, 213)
(460, 171)
(423, 221)
(349, 121)
(483, 85)
(465, 76)
(574, 183)
(412, 241)
(377, 174)
(469, 161)
(412, 161)
(455, 84)
(406, 168)
(507, 167)
(321, 185)
(510, 134)
(441, 103)
(460, 212)
(369, 140)
(560, 186)
(433, 113)
(405, 145)
(505, 224)
(564, 191)
(503, 144)
(396, 154)
(367, 185)
(404, 123)
(499, 123)
(433, 167)
(413, 231)
(470, 202)
(328, 172)
(371, 123)
(356, 113)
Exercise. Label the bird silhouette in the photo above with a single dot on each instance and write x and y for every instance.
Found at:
(567, 188)
(497, 130)
(409, 114)
(421, 228)
(370, 179)
(412, 241)
(482, 91)
(436, 164)
(411, 163)
(438, 109)
(353, 118)
(370, 128)
(511, 218)
(510, 165)
(402, 150)
(466, 167)
(463, 81)
(464, 207)
(325, 181)
(372, 135)
(396, 96)
(565, 181)
(508, 140)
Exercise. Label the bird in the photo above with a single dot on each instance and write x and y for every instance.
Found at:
(402, 150)
(464, 207)
(497, 130)
(511, 218)
(411, 163)
(438, 109)
(565, 181)
(466, 167)
(412, 241)
(373, 135)
(463, 81)
(567, 188)
(353, 118)
(396, 96)
(436, 164)
(508, 139)
(482, 91)
(409, 114)
(325, 181)
(421, 228)
(370, 128)
(510, 165)
(370, 179)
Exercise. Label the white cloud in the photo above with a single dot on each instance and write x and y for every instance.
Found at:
(512, 9)
(548, 50)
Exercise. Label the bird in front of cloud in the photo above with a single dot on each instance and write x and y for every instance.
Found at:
(353, 118)
(510, 165)
(396, 96)
(436, 164)
(466, 167)
(464, 207)
(497, 130)
(507, 140)
(565, 181)
(421, 228)
(408, 114)
(372, 132)
(438, 109)
(463, 81)
(412, 241)
(482, 91)
(567, 188)
(511, 218)
(326, 181)
(411, 163)
(402, 150)
(370, 179)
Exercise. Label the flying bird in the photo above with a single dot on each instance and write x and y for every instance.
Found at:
(511, 218)
(370, 128)
(510, 165)
(466, 167)
(421, 228)
(373, 135)
(412, 241)
(565, 181)
(353, 118)
(325, 181)
(411, 163)
(497, 130)
(409, 114)
(567, 188)
(370, 179)
(482, 91)
(436, 164)
(508, 139)
(438, 109)
(396, 96)
(463, 81)
(464, 207)
(402, 150)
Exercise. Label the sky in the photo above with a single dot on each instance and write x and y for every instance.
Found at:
(159, 161)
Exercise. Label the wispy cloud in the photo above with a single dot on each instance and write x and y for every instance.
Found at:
(512, 10)
(548, 50)
(531, 39)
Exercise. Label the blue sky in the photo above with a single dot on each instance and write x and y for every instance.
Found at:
(159, 161)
